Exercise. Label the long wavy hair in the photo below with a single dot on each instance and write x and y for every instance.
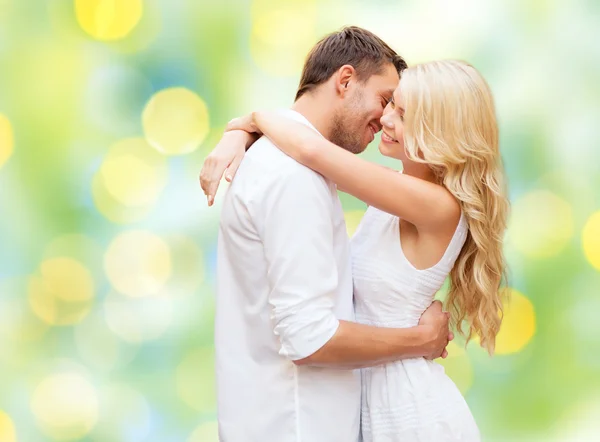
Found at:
(450, 124)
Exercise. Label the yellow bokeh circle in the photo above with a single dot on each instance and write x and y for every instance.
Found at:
(112, 209)
(541, 224)
(62, 292)
(129, 181)
(518, 325)
(6, 140)
(65, 406)
(7, 428)
(108, 19)
(134, 173)
(591, 240)
(138, 263)
(282, 34)
(175, 121)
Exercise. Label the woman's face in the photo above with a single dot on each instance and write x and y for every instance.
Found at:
(392, 135)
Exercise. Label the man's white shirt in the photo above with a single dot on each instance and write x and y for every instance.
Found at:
(283, 283)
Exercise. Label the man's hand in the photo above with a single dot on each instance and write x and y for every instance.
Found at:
(438, 334)
(224, 158)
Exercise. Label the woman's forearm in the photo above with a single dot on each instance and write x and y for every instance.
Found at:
(293, 138)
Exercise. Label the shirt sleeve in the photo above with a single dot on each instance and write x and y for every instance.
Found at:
(296, 228)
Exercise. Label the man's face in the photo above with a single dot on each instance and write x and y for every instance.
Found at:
(357, 121)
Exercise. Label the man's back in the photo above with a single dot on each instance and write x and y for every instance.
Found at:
(284, 281)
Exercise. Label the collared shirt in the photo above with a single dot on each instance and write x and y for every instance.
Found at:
(284, 281)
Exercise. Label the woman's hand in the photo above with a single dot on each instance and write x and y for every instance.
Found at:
(224, 158)
(246, 123)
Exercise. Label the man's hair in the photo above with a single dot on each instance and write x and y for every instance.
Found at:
(363, 50)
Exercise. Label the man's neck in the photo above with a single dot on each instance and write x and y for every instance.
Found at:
(317, 111)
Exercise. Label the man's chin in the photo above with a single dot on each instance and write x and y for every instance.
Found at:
(360, 149)
(355, 148)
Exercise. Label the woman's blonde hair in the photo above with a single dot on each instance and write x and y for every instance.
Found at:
(450, 124)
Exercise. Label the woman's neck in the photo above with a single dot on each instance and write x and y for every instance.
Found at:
(419, 170)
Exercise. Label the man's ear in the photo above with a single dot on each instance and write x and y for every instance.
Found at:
(344, 79)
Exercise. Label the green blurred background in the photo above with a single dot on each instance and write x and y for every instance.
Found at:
(107, 247)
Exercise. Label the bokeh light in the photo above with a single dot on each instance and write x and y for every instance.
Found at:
(62, 292)
(591, 240)
(580, 422)
(188, 266)
(206, 432)
(541, 225)
(19, 325)
(6, 140)
(282, 34)
(7, 428)
(125, 415)
(108, 19)
(138, 263)
(65, 406)
(111, 209)
(132, 175)
(77, 246)
(98, 349)
(195, 377)
(138, 320)
(518, 325)
(115, 97)
(175, 121)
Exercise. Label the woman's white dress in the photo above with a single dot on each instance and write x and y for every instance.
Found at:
(413, 399)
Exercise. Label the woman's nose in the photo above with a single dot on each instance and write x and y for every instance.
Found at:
(385, 120)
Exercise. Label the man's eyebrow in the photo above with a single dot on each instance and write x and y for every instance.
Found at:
(389, 93)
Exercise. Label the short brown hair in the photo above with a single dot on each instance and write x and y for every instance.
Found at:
(355, 46)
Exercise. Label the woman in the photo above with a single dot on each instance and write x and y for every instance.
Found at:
(445, 215)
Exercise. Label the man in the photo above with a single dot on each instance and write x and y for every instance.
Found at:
(285, 341)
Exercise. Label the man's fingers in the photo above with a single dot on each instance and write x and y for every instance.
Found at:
(450, 336)
(444, 354)
(437, 305)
